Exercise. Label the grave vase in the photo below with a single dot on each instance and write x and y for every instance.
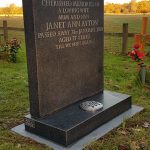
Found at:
(142, 73)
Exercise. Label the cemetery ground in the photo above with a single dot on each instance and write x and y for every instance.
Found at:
(120, 76)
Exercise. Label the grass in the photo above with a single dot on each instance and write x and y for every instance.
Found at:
(120, 76)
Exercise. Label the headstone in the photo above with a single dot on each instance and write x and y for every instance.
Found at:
(65, 52)
(64, 42)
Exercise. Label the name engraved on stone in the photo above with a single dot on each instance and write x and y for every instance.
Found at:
(55, 25)
(71, 24)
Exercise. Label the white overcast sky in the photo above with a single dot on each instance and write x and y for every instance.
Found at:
(19, 2)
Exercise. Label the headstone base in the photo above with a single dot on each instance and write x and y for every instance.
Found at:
(80, 144)
(70, 124)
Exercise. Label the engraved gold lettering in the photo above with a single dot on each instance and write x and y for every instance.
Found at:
(63, 33)
(75, 10)
(60, 3)
(74, 24)
(64, 39)
(56, 3)
(63, 17)
(77, 17)
(55, 25)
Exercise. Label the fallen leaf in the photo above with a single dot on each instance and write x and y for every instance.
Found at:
(134, 146)
(123, 132)
(123, 147)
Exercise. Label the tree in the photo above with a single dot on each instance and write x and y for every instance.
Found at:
(143, 7)
(6, 11)
(13, 9)
(133, 6)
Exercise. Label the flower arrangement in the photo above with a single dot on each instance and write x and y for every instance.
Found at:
(11, 48)
(136, 54)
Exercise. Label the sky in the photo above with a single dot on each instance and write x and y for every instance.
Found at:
(118, 1)
(4, 3)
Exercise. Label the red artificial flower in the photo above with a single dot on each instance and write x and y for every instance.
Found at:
(136, 46)
(140, 55)
(136, 55)
(136, 51)
(132, 55)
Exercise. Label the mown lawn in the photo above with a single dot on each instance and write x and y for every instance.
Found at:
(120, 76)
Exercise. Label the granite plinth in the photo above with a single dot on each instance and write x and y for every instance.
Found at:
(71, 123)
(80, 144)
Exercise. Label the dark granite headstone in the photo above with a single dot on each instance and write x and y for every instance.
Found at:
(64, 41)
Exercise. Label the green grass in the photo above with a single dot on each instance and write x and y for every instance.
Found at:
(120, 76)
(113, 23)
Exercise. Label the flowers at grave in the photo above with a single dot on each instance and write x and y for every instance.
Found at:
(14, 46)
(11, 48)
(136, 54)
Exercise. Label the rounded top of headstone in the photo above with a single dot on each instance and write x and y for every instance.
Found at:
(91, 106)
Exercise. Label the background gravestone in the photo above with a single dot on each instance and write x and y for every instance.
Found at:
(64, 40)
(65, 52)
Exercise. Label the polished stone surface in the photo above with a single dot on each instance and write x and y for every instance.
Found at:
(72, 123)
(65, 55)
(80, 144)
